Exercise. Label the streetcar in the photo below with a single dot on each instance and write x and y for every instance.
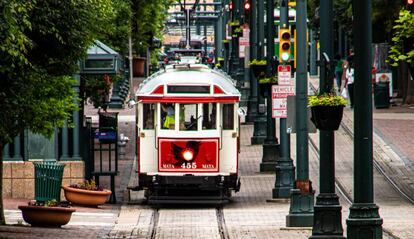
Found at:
(188, 138)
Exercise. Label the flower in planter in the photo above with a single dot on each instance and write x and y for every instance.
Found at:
(327, 99)
(256, 62)
(235, 23)
(87, 185)
(268, 80)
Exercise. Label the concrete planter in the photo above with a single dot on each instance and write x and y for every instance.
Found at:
(86, 197)
(41, 216)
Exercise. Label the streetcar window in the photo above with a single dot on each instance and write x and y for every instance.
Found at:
(228, 116)
(209, 115)
(167, 116)
(188, 117)
(189, 89)
(148, 111)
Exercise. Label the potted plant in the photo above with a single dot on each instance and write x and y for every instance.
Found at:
(258, 67)
(326, 110)
(237, 32)
(226, 44)
(47, 214)
(86, 193)
(265, 85)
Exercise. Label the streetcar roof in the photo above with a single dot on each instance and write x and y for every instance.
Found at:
(191, 75)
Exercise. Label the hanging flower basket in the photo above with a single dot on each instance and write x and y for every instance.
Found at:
(327, 117)
(326, 110)
(258, 70)
(265, 85)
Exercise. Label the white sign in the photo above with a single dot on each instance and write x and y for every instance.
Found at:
(244, 41)
(279, 99)
(384, 77)
(283, 75)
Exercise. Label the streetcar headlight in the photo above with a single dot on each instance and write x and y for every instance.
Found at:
(188, 154)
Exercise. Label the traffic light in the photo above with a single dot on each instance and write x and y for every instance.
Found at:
(284, 44)
(410, 2)
(247, 8)
(231, 6)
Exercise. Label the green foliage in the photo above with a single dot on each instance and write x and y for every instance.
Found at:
(238, 30)
(235, 23)
(403, 39)
(267, 80)
(258, 62)
(148, 21)
(97, 87)
(226, 41)
(327, 99)
(218, 66)
(51, 203)
(87, 185)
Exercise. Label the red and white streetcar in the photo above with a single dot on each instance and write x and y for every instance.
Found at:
(188, 135)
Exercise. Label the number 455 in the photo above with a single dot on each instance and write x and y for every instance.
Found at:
(189, 165)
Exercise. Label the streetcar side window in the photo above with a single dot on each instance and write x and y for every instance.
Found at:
(148, 117)
(209, 116)
(228, 116)
(167, 116)
(188, 117)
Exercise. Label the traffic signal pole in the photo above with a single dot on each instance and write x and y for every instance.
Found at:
(302, 196)
(285, 171)
(327, 207)
(364, 220)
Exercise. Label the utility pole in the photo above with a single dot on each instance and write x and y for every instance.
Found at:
(327, 202)
(302, 197)
(364, 220)
(259, 130)
(285, 171)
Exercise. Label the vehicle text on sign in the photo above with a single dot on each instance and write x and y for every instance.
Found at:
(279, 99)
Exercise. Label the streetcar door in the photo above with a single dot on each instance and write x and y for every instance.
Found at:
(228, 125)
(146, 134)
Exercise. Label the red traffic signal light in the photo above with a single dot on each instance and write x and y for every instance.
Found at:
(247, 5)
(410, 2)
(231, 5)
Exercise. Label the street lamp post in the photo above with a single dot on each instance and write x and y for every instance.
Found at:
(364, 220)
(252, 102)
(271, 145)
(327, 202)
(302, 197)
(259, 130)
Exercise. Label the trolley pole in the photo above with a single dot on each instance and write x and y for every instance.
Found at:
(327, 202)
(302, 196)
(259, 130)
(285, 171)
(364, 220)
(271, 144)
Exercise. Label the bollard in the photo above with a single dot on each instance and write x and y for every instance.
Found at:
(123, 140)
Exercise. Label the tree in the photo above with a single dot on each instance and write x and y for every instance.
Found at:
(40, 45)
(401, 52)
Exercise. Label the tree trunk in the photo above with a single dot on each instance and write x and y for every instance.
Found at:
(408, 84)
(2, 218)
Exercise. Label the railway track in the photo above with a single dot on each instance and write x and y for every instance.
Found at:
(224, 234)
(348, 198)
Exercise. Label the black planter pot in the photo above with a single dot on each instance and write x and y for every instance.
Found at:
(265, 89)
(327, 117)
(226, 45)
(258, 70)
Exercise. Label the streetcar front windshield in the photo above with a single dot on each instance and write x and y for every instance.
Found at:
(188, 117)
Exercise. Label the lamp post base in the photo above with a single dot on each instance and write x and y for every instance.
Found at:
(270, 156)
(364, 221)
(327, 221)
(285, 176)
(301, 209)
(259, 132)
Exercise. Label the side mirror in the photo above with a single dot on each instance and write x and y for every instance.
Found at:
(241, 112)
(131, 103)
